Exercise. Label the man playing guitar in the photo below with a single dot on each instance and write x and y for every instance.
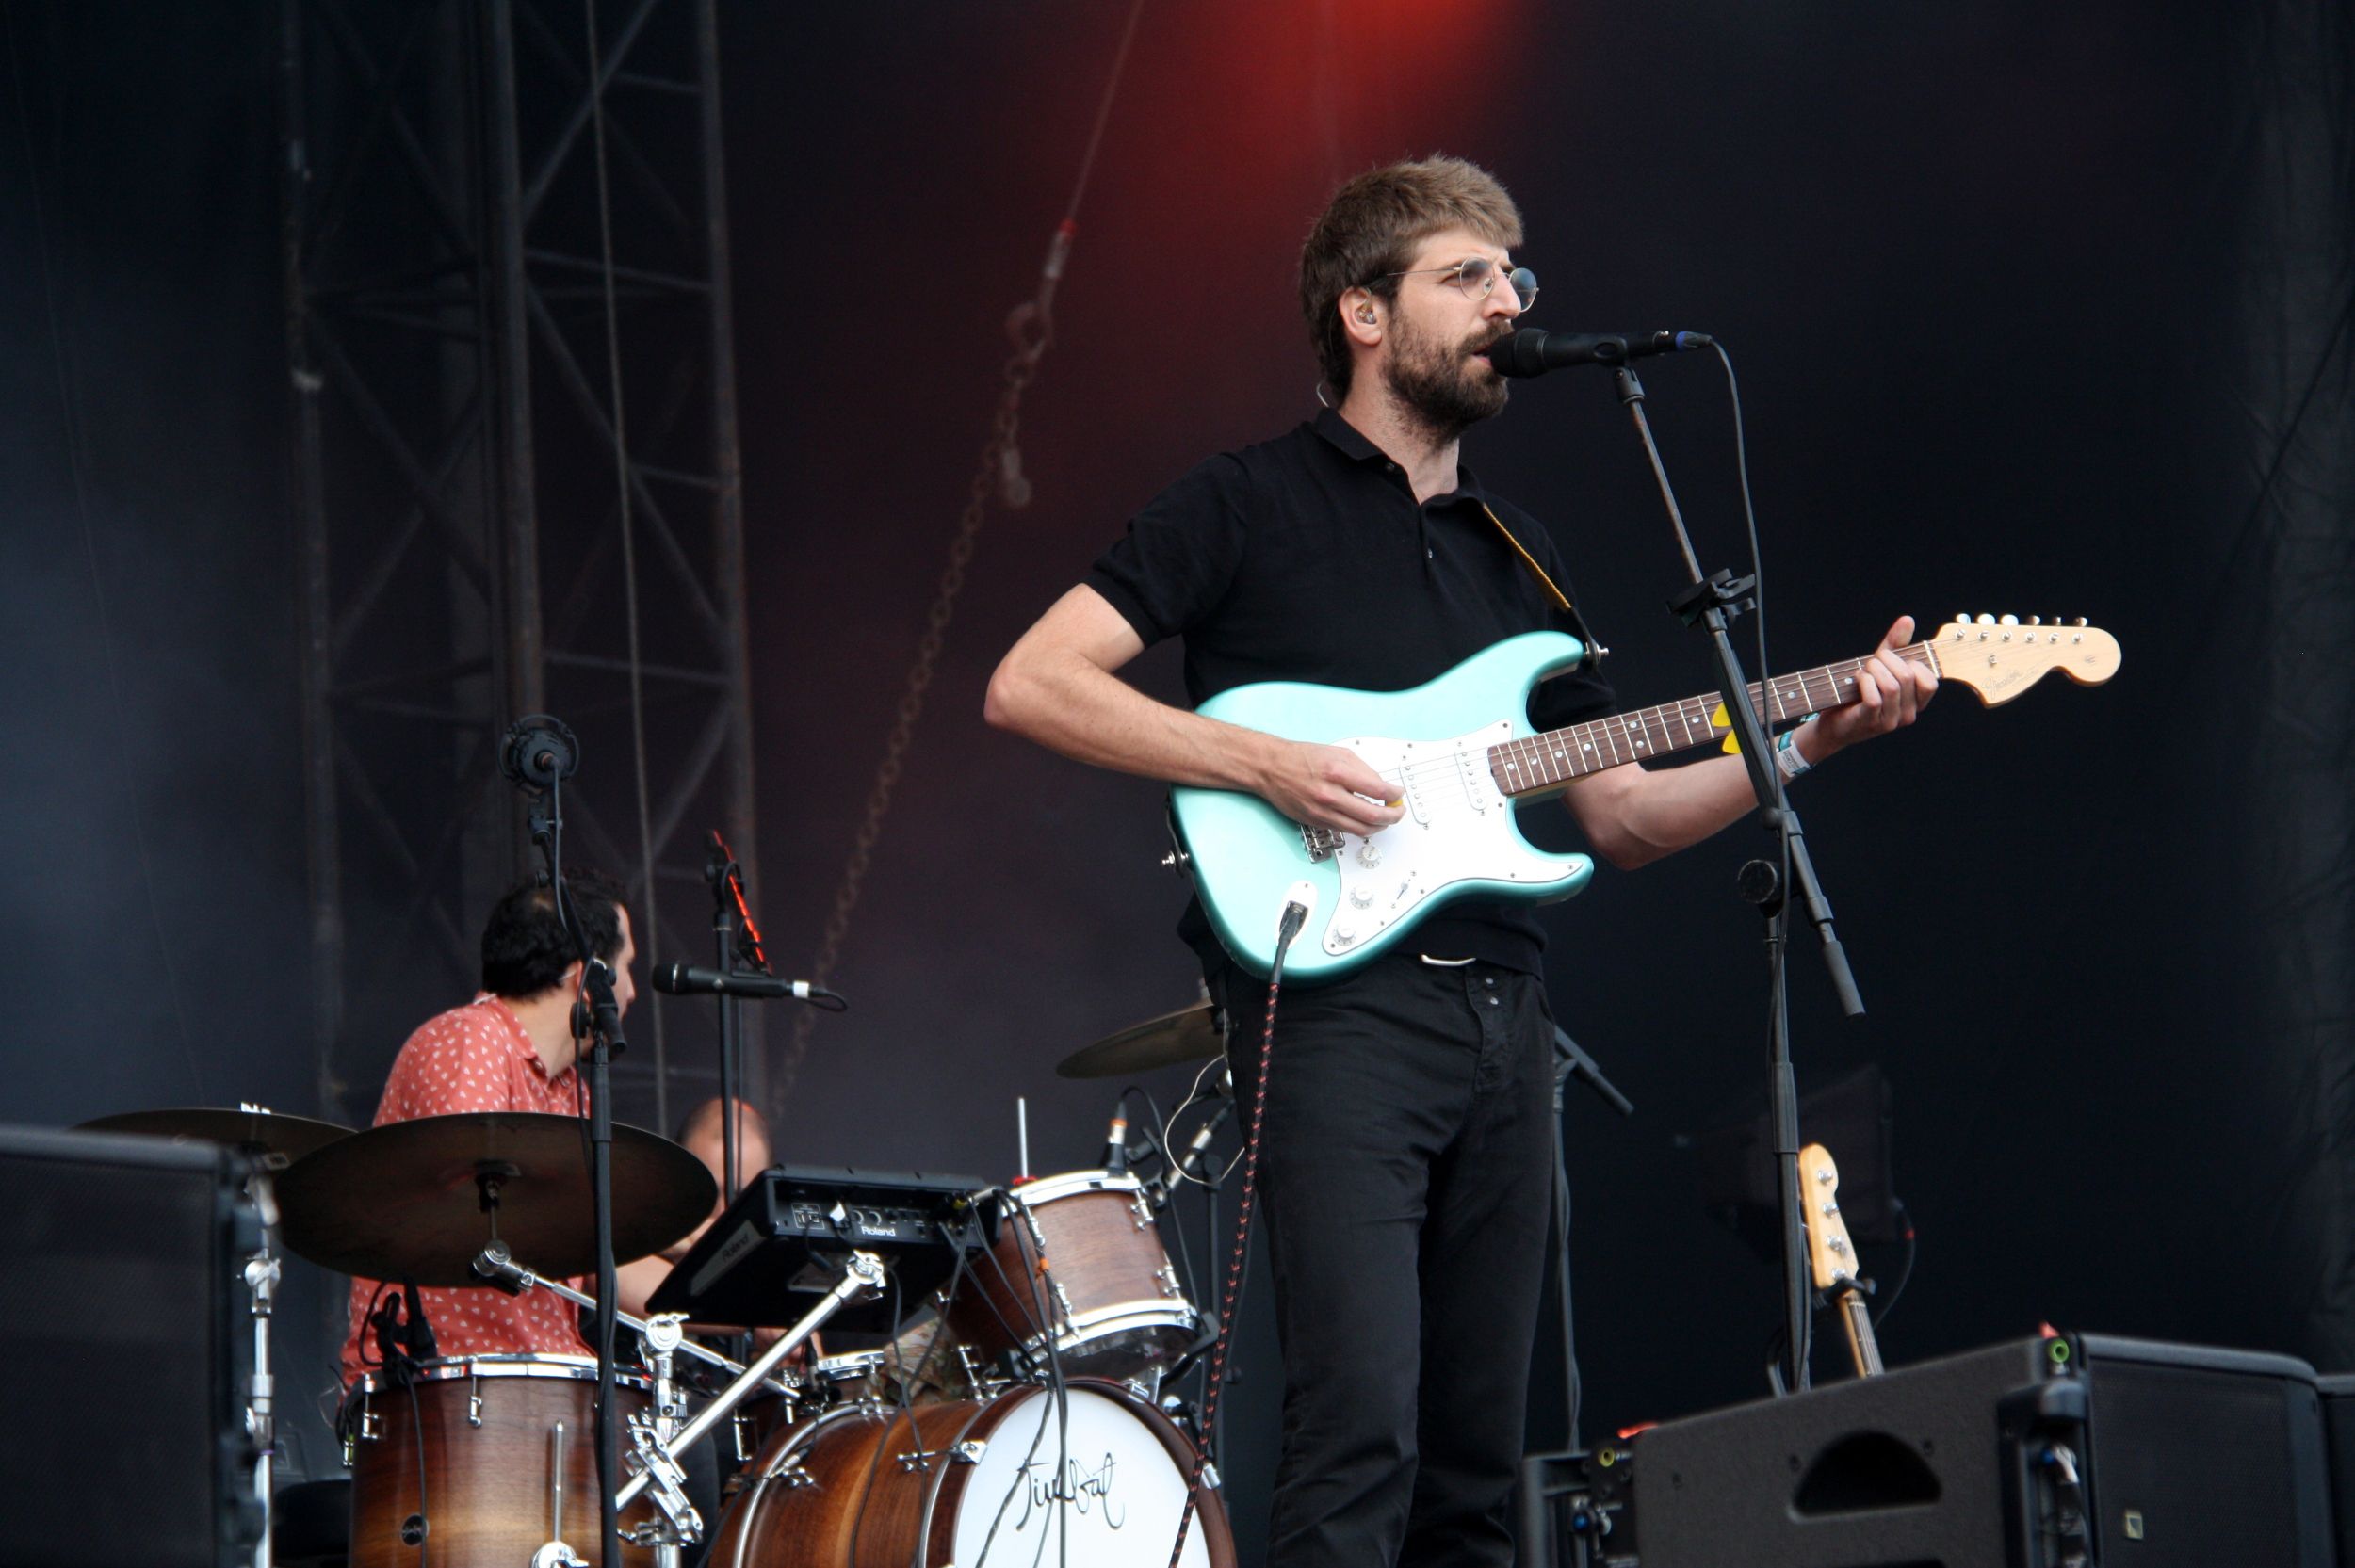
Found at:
(1406, 1114)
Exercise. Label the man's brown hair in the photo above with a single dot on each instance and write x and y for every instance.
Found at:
(1371, 226)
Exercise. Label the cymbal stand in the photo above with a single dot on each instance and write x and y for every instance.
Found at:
(262, 1273)
(862, 1280)
(494, 1265)
(651, 1440)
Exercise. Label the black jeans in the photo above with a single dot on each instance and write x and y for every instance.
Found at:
(1407, 1189)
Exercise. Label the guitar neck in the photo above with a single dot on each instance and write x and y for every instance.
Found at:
(1858, 1320)
(1539, 764)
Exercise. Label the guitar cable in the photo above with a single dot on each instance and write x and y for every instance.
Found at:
(1295, 916)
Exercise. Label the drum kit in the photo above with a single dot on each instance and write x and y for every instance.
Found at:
(1015, 1413)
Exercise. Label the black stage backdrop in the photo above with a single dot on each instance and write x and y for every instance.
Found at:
(2039, 311)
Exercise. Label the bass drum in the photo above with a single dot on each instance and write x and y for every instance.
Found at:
(970, 1483)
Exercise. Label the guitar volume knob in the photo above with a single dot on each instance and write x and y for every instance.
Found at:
(1369, 853)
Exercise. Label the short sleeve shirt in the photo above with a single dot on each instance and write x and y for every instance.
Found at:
(1307, 558)
(475, 1058)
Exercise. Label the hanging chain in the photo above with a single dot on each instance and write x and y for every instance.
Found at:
(1000, 470)
(1031, 325)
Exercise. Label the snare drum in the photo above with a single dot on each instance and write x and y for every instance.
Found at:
(1081, 1252)
(505, 1448)
(975, 1481)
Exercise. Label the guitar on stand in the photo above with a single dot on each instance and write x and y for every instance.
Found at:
(1459, 785)
(1831, 1258)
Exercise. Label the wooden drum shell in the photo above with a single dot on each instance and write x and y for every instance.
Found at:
(1083, 1246)
(487, 1465)
(824, 1494)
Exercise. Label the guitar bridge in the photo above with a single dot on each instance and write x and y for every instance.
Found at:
(1323, 844)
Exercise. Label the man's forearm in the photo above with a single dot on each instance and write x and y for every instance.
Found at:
(1661, 810)
(1068, 705)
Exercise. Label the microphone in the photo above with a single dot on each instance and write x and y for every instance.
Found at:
(538, 752)
(1167, 1183)
(1533, 351)
(1116, 1138)
(685, 979)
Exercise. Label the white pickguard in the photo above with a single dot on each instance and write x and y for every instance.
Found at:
(1456, 829)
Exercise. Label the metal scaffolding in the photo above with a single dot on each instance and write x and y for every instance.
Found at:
(506, 258)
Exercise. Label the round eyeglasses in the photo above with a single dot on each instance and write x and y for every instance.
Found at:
(1477, 275)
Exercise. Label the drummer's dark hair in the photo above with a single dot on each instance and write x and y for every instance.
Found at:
(524, 950)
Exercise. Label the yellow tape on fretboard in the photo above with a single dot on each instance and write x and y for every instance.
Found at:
(1720, 719)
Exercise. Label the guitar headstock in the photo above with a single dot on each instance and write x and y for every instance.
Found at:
(1999, 658)
(1830, 1255)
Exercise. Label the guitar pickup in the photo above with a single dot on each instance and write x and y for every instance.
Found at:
(1323, 844)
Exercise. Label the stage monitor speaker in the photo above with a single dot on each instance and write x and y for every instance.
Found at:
(2338, 1427)
(125, 1332)
(2021, 1455)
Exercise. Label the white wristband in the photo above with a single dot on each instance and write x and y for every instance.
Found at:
(1789, 757)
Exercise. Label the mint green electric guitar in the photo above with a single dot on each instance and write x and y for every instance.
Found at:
(1458, 839)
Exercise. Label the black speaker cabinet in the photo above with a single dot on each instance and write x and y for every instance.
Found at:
(2338, 1426)
(2142, 1454)
(127, 1350)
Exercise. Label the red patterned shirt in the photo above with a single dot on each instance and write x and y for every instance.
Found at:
(475, 1058)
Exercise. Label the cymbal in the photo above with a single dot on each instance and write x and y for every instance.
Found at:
(279, 1138)
(1187, 1035)
(405, 1200)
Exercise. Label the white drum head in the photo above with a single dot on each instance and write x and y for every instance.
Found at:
(1109, 1485)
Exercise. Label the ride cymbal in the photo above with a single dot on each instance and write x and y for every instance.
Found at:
(1190, 1034)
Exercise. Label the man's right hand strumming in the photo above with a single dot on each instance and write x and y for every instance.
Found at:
(1328, 787)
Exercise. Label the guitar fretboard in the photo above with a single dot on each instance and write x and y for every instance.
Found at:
(1538, 763)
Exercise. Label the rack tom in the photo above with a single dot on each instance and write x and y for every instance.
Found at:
(1078, 1262)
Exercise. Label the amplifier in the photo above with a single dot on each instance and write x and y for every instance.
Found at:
(2030, 1454)
(2338, 1430)
(782, 1243)
(124, 1316)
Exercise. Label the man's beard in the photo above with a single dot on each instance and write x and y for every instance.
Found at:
(1436, 385)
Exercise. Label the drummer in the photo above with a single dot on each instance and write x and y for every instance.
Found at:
(511, 1048)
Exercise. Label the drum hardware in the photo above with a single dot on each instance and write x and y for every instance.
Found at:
(863, 1278)
(650, 1442)
(968, 1452)
(495, 1265)
(556, 1554)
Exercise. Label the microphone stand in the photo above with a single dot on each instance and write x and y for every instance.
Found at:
(604, 1039)
(720, 871)
(1571, 1061)
(1710, 603)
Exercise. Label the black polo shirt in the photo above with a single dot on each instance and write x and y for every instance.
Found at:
(1306, 558)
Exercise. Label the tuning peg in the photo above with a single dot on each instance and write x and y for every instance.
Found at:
(1986, 620)
(2036, 621)
(2083, 622)
(2009, 620)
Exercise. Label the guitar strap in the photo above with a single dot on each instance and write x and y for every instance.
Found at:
(1595, 650)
